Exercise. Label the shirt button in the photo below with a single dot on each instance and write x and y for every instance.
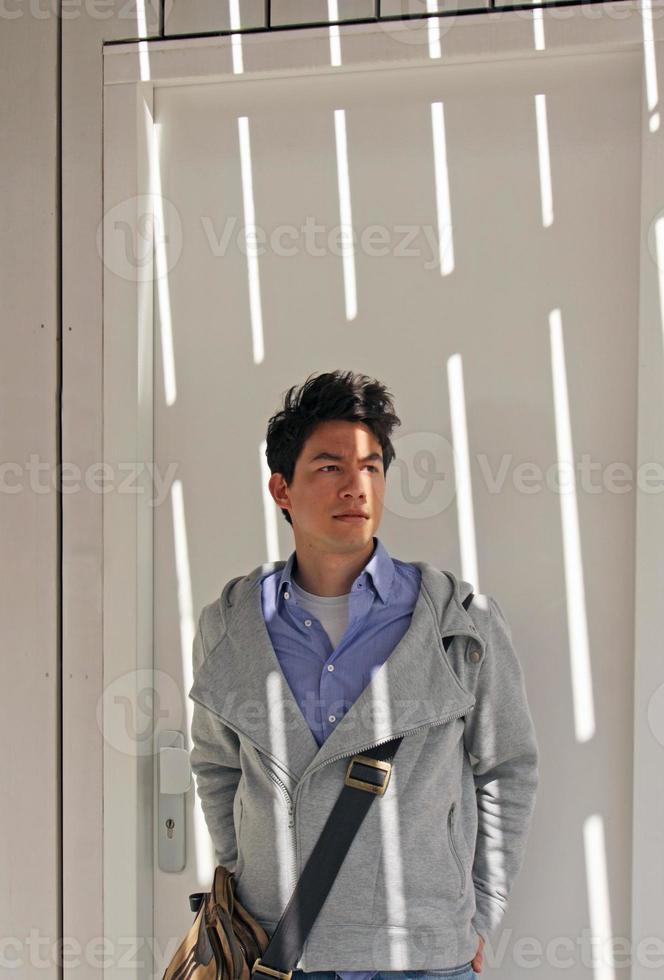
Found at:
(330, 666)
(475, 656)
(286, 595)
(307, 622)
(332, 718)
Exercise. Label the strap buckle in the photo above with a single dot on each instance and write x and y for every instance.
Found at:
(259, 967)
(385, 768)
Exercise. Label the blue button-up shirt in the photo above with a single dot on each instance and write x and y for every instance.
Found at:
(380, 606)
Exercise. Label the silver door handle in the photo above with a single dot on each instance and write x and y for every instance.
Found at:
(174, 770)
(174, 781)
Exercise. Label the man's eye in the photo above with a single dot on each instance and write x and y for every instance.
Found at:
(329, 465)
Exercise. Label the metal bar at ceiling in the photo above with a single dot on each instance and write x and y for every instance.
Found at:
(377, 17)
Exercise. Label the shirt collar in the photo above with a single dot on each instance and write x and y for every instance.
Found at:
(379, 571)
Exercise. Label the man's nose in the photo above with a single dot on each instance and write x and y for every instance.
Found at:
(355, 485)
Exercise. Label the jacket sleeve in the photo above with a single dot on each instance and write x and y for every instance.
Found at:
(499, 732)
(215, 762)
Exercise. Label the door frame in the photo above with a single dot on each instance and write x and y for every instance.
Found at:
(131, 74)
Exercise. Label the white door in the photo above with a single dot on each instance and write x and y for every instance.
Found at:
(515, 342)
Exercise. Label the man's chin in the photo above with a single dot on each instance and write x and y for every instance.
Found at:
(346, 534)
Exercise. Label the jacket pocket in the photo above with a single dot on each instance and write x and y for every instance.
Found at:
(451, 833)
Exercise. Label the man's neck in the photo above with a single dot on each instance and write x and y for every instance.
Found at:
(329, 575)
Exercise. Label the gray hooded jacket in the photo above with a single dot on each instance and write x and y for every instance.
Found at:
(436, 856)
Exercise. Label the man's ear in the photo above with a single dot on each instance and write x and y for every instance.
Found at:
(276, 480)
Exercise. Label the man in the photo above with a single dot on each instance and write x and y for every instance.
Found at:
(302, 664)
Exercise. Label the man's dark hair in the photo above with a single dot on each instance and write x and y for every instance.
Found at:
(331, 395)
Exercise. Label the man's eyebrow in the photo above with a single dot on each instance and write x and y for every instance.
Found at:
(325, 455)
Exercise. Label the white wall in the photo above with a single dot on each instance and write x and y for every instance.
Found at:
(29, 828)
(570, 602)
(29, 776)
(31, 848)
(82, 272)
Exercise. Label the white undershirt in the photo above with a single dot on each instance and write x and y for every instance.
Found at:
(331, 611)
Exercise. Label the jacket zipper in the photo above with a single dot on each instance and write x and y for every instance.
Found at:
(450, 834)
(371, 745)
(291, 816)
(291, 800)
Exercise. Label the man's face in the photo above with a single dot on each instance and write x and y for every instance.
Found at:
(332, 476)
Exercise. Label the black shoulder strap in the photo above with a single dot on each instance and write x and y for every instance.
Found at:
(367, 776)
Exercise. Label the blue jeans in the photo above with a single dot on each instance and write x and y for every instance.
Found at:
(464, 972)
